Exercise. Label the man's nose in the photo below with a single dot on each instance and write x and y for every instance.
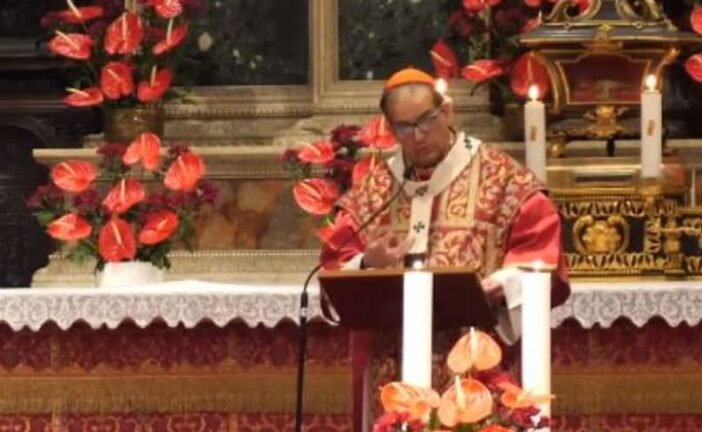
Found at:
(417, 134)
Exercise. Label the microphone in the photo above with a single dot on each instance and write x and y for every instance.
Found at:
(304, 299)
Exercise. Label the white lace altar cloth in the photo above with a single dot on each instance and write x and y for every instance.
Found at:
(191, 302)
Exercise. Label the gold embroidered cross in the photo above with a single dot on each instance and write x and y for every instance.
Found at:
(420, 191)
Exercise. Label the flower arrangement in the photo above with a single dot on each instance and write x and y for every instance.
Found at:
(125, 49)
(480, 399)
(342, 163)
(481, 44)
(105, 212)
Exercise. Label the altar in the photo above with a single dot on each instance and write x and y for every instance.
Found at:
(221, 356)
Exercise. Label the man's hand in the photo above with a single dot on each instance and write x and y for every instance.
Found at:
(493, 289)
(384, 249)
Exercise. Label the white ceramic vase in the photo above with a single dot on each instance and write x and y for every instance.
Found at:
(128, 273)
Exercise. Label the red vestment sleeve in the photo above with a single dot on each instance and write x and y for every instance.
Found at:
(536, 235)
(341, 242)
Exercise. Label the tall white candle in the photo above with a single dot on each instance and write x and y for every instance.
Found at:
(417, 328)
(536, 328)
(535, 133)
(651, 129)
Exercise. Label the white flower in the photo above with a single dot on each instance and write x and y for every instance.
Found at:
(204, 42)
(235, 53)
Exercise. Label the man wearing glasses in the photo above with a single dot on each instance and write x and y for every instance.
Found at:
(464, 203)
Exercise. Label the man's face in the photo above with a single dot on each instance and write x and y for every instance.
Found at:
(419, 125)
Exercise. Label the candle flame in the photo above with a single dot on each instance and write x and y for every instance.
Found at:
(533, 92)
(441, 86)
(538, 265)
(651, 82)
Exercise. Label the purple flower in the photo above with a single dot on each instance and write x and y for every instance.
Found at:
(111, 151)
(48, 193)
(208, 192)
(157, 200)
(175, 200)
(345, 135)
(86, 200)
(176, 149)
(289, 156)
(461, 24)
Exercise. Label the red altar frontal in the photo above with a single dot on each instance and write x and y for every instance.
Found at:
(210, 357)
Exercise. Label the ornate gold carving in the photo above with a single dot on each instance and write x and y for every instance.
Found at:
(592, 236)
(640, 11)
(603, 118)
(621, 264)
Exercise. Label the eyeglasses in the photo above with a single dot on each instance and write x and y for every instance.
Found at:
(423, 124)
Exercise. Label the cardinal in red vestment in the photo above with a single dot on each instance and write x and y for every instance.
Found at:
(463, 203)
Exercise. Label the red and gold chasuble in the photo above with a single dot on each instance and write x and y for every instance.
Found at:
(485, 213)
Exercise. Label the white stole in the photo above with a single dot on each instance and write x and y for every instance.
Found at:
(423, 193)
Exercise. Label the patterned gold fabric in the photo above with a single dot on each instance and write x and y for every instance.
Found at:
(470, 219)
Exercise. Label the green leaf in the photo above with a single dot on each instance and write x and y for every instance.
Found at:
(45, 217)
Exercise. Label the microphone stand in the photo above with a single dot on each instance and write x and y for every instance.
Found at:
(304, 302)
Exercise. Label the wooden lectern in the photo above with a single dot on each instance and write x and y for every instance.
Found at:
(372, 299)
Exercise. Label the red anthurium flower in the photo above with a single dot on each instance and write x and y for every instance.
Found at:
(74, 176)
(693, 66)
(475, 350)
(83, 98)
(167, 9)
(515, 397)
(116, 80)
(124, 35)
(482, 70)
(145, 148)
(72, 45)
(528, 71)
(185, 172)
(69, 227)
(116, 241)
(319, 152)
(445, 60)
(467, 401)
(316, 196)
(159, 225)
(173, 38)
(696, 19)
(153, 89)
(125, 194)
(478, 5)
(78, 15)
(362, 168)
(418, 402)
(377, 134)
